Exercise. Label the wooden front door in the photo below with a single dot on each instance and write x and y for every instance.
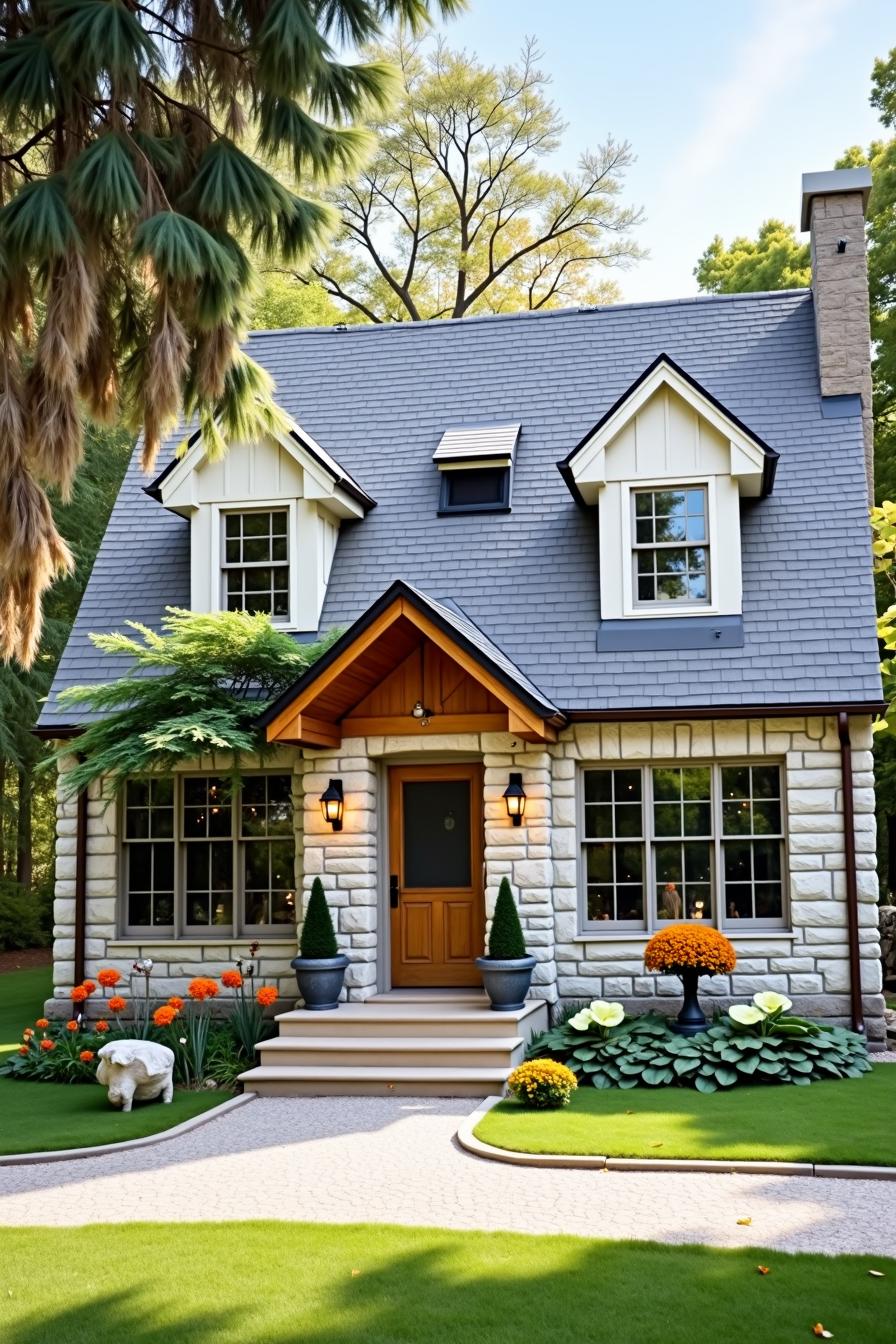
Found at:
(435, 863)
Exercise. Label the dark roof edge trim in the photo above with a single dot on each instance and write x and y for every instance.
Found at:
(771, 454)
(395, 590)
(770, 711)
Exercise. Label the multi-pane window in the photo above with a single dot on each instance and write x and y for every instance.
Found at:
(668, 843)
(201, 854)
(671, 545)
(256, 562)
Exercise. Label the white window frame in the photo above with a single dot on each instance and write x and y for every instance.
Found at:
(639, 548)
(631, 607)
(238, 927)
(650, 923)
(224, 566)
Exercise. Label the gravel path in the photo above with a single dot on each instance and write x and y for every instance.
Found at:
(393, 1159)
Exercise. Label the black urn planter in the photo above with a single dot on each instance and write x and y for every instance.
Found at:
(691, 1020)
(320, 980)
(506, 981)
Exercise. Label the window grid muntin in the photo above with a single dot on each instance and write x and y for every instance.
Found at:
(243, 579)
(719, 917)
(159, 805)
(239, 925)
(760, 805)
(597, 836)
(648, 555)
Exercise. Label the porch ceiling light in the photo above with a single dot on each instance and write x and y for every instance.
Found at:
(515, 798)
(332, 804)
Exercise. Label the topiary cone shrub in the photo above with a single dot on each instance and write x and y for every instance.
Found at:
(318, 935)
(506, 941)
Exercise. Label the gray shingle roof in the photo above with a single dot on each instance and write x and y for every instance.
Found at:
(379, 399)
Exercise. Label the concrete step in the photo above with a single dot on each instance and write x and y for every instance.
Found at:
(436, 1052)
(386, 1019)
(458, 997)
(326, 1080)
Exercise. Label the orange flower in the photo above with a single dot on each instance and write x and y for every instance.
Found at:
(690, 946)
(86, 1056)
(89, 985)
(79, 994)
(109, 977)
(164, 1016)
(71, 1026)
(42, 1023)
(202, 988)
(267, 995)
(117, 1004)
(47, 1044)
(231, 979)
(176, 1003)
(23, 1050)
(101, 1026)
(27, 1033)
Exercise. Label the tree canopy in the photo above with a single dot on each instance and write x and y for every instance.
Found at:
(457, 213)
(129, 208)
(772, 260)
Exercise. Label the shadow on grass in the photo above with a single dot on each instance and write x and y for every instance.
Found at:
(287, 1282)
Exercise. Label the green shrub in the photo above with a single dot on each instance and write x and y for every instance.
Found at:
(318, 936)
(646, 1052)
(22, 918)
(505, 940)
(543, 1084)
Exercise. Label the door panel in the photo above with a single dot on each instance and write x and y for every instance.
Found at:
(435, 851)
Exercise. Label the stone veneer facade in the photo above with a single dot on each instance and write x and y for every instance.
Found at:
(809, 961)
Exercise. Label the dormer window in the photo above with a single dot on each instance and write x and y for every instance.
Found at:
(671, 545)
(476, 466)
(255, 566)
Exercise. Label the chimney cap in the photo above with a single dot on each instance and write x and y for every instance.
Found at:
(834, 182)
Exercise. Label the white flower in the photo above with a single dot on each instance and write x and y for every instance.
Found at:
(147, 963)
(582, 1020)
(606, 1014)
(745, 1015)
(769, 1002)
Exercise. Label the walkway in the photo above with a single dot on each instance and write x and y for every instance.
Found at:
(393, 1160)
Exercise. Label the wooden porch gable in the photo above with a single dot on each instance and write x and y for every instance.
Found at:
(401, 657)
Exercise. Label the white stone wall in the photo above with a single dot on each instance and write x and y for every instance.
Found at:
(809, 961)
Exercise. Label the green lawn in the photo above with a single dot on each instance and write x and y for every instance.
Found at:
(845, 1120)
(42, 1117)
(282, 1282)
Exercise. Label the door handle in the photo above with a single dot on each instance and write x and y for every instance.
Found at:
(393, 891)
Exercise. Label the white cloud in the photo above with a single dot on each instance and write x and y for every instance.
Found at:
(787, 35)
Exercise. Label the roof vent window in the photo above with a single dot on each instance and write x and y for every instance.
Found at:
(476, 465)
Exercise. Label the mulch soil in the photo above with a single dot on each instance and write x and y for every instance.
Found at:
(25, 959)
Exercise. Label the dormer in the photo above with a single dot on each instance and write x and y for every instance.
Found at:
(666, 469)
(264, 523)
(476, 467)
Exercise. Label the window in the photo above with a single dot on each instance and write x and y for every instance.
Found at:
(671, 545)
(667, 843)
(200, 855)
(482, 490)
(256, 562)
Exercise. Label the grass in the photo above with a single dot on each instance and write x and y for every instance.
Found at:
(846, 1120)
(216, 1283)
(44, 1117)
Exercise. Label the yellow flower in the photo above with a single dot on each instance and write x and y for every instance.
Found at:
(607, 1014)
(768, 1002)
(542, 1083)
(744, 1014)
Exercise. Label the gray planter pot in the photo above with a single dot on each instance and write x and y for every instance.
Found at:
(506, 982)
(320, 980)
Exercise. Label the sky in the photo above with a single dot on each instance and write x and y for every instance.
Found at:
(725, 105)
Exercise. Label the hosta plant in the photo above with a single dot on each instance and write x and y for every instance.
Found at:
(622, 1054)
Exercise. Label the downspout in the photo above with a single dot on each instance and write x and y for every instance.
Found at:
(81, 887)
(852, 894)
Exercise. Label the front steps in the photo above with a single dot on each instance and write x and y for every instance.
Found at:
(442, 1043)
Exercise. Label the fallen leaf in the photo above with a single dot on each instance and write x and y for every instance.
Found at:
(876, 1274)
(744, 1222)
(355, 1273)
(763, 1269)
(658, 1144)
(819, 1331)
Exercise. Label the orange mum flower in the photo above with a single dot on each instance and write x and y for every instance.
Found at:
(117, 1004)
(267, 995)
(231, 979)
(42, 1022)
(685, 946)
(79, 994)
(101, 1026)
(164, 1016)
(72, 1025)
(23, 1050)
(176, 1003)
(202, 988)
(89, 985)
(86, 1056)
(109, 977)
(27, 1033)
(47, 1044)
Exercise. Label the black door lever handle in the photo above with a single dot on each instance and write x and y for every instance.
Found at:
(393, 891)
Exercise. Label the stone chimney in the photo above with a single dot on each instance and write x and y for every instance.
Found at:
(833, 210)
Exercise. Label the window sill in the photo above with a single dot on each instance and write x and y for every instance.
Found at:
(641, 936)
(131, 941)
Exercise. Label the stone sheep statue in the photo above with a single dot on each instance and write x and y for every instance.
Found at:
(141, 1069)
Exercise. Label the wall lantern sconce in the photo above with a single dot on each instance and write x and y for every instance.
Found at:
(332, 804)
(421, 714)
(515, 798)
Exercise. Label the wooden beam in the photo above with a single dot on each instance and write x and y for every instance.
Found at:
(539, 731)
(300, 731)
(403, 725)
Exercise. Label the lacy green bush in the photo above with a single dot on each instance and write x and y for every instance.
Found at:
(646, 1052)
